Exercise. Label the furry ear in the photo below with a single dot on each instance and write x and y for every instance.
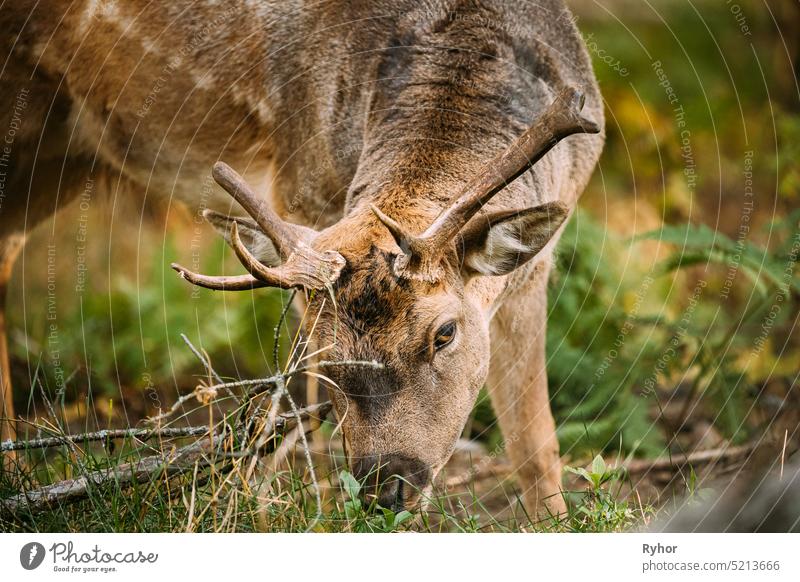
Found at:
(259, 244)
(498, 243)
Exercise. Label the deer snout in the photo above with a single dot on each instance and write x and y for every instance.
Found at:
(393, 481)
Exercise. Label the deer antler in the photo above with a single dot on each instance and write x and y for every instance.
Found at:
(283, 235)
(422, 253)
(303, 266)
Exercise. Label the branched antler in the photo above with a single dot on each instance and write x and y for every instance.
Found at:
(303, 266)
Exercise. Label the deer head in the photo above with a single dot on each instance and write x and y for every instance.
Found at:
(385, 293)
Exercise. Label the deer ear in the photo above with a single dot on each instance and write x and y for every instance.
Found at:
(259, 244)
(498, 243)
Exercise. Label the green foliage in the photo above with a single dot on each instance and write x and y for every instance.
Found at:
(700, 245)
(735, 337)
(368, 519)
(129, 337)
(696, 494)
(597, 351)
(597, 509)
(605, 361)
(598, 475)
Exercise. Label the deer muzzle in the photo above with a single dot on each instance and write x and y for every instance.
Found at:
(393, 481)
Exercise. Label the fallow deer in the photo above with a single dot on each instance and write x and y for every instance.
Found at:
(390, 144)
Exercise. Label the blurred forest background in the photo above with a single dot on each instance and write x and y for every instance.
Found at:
(673, 311)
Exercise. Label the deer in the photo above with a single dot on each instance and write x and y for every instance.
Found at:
(407, 166)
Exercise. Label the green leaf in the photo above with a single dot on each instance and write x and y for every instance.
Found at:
(402, 517)
(599, 466)
(350, 484)
(580, 471)
(684, 235)
(352, 508)
(388, 518)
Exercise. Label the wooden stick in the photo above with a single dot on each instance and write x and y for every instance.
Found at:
(102, 435)
(499, 469)
(203, 360)
(203, 452)
(696, 458)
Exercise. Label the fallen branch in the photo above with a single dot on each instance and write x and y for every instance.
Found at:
(202, 453)
(498, 469)
(696, 458)
(142, 434)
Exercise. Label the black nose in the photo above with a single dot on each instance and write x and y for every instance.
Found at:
(390, 480)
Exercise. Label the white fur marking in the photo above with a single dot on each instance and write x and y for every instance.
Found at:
(502, 246)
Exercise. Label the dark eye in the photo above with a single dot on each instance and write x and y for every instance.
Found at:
(444, 335)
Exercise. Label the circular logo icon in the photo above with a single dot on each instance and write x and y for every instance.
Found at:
(31, 555)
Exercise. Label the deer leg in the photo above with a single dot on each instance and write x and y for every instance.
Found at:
(518, 389)
(9, 249)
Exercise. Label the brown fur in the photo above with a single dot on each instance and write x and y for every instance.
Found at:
(334, 105)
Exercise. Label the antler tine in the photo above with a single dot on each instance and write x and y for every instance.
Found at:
(235, 283)
(303, 266)
(273, 277)
(283, 236)
(561, 119)
(401, 236)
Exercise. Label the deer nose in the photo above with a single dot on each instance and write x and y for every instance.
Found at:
(390, 480)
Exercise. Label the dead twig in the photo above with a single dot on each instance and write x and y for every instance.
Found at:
(202, 453)
(696, 458)
(206, 393)
(142, 434)
(484, 470)
(203, 359)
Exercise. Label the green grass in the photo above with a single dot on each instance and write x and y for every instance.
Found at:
(284, 501)
(619, 343)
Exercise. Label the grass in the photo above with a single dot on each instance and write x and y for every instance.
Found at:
(283, 501)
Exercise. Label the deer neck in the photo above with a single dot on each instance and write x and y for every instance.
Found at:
(435, 116)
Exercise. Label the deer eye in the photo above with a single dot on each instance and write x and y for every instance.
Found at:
(444, 335)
